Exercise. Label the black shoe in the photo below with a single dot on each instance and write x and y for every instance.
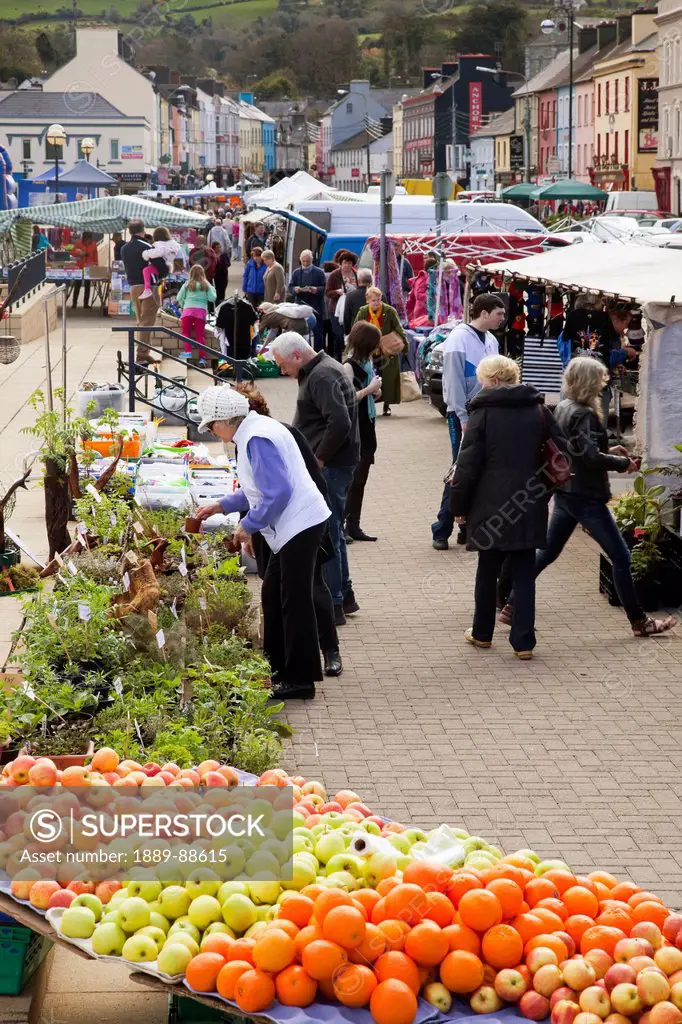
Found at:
(355, 532)
(333, 666)
(440, 543)
(461, 537)
(349, 539)
(350, 605)
(339, 616)
(292, 691)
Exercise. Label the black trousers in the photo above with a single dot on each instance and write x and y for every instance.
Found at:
(290, 637)
(521, 568)
(77, 290)
(356, 491)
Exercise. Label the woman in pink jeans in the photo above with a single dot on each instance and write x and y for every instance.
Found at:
(193, 298)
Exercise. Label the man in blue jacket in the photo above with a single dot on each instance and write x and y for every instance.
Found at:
(307, 286)
(253, 278)
(463, 350)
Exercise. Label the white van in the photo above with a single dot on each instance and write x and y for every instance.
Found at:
(631, 201)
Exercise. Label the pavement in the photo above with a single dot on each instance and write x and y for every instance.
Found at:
(576, 754)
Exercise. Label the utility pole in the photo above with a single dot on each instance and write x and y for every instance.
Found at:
(386, 193)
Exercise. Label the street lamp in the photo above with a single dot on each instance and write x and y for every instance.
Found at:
(87, 147)
(56, 136)
(526, 114)
(567, 8)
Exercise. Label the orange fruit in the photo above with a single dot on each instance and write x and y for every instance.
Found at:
(461, 883)
(440, 909)
(510, 895)
(430, 877)
(406, 903)
(539, 889)
(552, 942)
(600, 937)
(519, 861)
(284, 925)
(577, 925)
(386, 884)
(579, 900)
(555, 905)
(502, 946)
(643, 897)
(394, 932)
(371, 947)
(602, 891)
(354, 985)
(624, 890)
(312, 891)
(203, 970)
(294, 987)
(306, 935)
(368, 898)
(509, 872)
(359, 906)
(399, 966)
(586, 883)
(274, 950)
(480, 909)
(528, 926)
(345, 926)
(551, 921)
(426, 944)
(604, 877)
(650, 910)
(321, 958)
(461, 971)
(229, 975)
(328, 900)
(379, 912)
(461, 937)
(241, 949)
(325, 987)
(615, 915)
(296, 908)
(254, 991)
(393, 1002)
(217, 942)
(563, 880)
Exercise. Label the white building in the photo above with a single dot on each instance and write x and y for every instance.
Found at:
(206, 143)
(482, 174)
(668, 169)
(357, 162)
(227, 137)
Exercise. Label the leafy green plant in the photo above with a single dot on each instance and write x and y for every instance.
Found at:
(110, 518)
(639, 513)
(58, 437)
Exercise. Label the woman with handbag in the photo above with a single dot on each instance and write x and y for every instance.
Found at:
(499, 490)
(340, 281)
(392, 345)
(362, 343)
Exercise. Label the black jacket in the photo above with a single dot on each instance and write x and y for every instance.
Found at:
(355, 300)
(498, 486)
(588, 448)
(366, 425)
(131, 254)
(327, 412)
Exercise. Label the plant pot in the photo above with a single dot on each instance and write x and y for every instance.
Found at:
(192, 525)
(63, 761)
(9, 349)
(8, 754)
(647, 589)
(10, 556)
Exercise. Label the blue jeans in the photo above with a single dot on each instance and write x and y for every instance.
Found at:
(336, 569)
(445, 522)
(571, 509)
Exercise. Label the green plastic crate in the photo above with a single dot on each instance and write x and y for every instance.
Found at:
(21, 953)
(183, 1010)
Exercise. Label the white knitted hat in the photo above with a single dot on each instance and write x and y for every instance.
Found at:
(222, 403)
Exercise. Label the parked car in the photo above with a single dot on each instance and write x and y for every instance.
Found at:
(432, 378)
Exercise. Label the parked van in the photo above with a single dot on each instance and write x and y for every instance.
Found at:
(631, 201)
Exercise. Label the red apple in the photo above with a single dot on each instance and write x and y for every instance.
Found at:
(600, 960)
(40, 894)
(567, 941)
(619, 974)
(579, 974)
(547, 979)
(151, 768)
(61, 898)
(539, 957)
(652, 986)
(510, 985)
(669, 959)
(625, 999)
(584, 1017)
(665, 1013)
(671, 926)
(564, 1011)
(649, 931)
(534, 1006)
(627, 949)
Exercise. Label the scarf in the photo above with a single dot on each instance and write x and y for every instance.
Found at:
(376, 318)
(369, 376)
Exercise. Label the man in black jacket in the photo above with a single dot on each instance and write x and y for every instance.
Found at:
(356, 299)
(145, 309)
(327, 416)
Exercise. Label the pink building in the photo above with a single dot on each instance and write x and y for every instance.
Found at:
(584, 126)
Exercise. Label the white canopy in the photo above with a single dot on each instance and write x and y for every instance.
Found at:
(625, 271)
(300, 186)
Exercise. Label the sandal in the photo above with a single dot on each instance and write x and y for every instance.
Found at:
(649, 626)
(471, 639)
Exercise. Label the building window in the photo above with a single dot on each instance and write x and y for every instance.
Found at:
(26, 149)
(615, 147)
(598, 146)
(349, 108)
(592, 109)
(626, 103)
(626, 148)
(113, 149)
(615, 96)
(53, 152)
(553, 113)
(607, 100)
(599, 100)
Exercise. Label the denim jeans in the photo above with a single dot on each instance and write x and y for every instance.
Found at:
(571, 509)
(521, 567)
(336, 569)
(445, 522)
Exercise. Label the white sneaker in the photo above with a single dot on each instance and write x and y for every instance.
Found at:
(186, 356)
(146, 294)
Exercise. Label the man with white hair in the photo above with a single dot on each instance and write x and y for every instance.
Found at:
(307, 287)
(327, 416)
(356, 298)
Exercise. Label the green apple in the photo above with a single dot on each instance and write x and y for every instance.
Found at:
(204, 910)
(263, 912)
(460, 833)
(183, 924)
(550, 865)
(402, 860)
(264, 892)
(109, 916)
(263, 860)
(159, 921)
(496, 852)
(220, 926)
(319, 829)
(158, 935)
(342, 880)
(334, 819)
(77, 923)
(328, 846)
(93, 903)
(301, 844)
(297, 873)
(133, 914)
(202, 882)
(282, 823)
(228, 889)
(416, 835)
(181, 938)
(232, 861)
(377, 867)
(117, 899)
(305, 832)
(169, 874)
(530, 854)
(478, 861)
(308, 858)
(139, 949)
(108, 939)
(264, 807)
(344, 862)
(174, 958)
(371, 827)
(147, 889)
(256, 927)
(280, 850)
(239, 913)
(474, 843)
(174, 902)
(400, 841)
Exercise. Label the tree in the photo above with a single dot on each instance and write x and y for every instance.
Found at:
(276, 85)
(18, 55)
(487, 25)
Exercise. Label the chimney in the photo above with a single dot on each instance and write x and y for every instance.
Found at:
(606, 33)
(449, 68)
(624, 22)
(587, 38)
(427, 79)
(207, 85)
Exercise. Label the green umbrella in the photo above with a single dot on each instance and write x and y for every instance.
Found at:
(522, 190)
(568, 188)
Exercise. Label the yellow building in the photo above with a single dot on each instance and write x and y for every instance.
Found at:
(252, 151)
(626, 109)
(398, 140)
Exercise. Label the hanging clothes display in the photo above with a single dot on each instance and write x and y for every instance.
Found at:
(235, 319)
(450, 306)
(417, 311)
(394, 289)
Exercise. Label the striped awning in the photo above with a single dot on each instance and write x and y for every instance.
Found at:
(110, 213)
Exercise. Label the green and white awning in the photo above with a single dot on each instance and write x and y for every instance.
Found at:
(110, 213)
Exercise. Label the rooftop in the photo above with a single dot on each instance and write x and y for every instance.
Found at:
(59, 106)
(499, 124)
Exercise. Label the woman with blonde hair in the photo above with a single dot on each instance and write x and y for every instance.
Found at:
(499, 492)
(385, 317)
(584, 499)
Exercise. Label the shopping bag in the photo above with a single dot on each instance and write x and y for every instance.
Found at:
(391, 344)
(340, 306)
(409, 389)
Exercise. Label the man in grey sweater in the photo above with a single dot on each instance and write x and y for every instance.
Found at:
(275, 286)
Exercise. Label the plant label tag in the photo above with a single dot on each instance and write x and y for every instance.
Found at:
(28, 690)
(81, 529)
(71, 566)
(126, 581)
(91, 489)
(182, 569)
(118, 686)
(44, 726)
(112, 519)
(84, 611)
(183, 557)
(202, 603)
(160, 639)
(139, 734)
(174, 607)
(138, 527)
(58, 558)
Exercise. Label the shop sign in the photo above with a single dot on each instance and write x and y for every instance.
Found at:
(516, 152)
(331, 169)
(133, 179)
(355, 172)
(475, 106)
(647, 115)
(131, 153)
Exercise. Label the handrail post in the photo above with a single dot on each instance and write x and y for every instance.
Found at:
(131, 370)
